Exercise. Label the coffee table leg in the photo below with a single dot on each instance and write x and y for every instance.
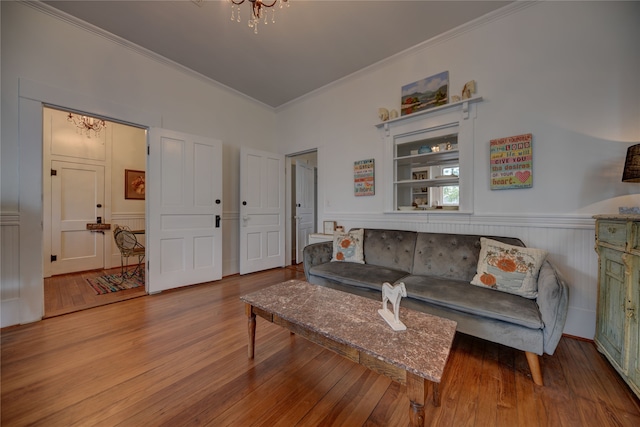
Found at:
(417, 393)
(251, 316)
(436, 394)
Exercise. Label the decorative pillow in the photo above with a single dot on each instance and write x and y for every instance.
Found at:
(347, 247)
(507, 268)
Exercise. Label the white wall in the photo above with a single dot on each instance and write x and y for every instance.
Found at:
(128, 151)
(567, 72)
(45, 59)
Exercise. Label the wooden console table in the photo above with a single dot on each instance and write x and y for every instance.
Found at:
(350, 326)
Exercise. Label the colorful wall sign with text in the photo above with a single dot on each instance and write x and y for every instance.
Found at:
(363, 177)
(511, 162)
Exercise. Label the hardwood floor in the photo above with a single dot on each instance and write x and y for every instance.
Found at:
(179, 358)
(67, 293)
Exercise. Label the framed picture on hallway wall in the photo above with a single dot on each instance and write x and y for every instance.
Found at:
(134, 184)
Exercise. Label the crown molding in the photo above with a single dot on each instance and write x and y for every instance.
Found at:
(69, 19)
(486, 19)
(481, 21)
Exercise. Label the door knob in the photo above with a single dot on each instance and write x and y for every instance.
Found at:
(244, 203)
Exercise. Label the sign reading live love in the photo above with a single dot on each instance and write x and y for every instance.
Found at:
(511, 164)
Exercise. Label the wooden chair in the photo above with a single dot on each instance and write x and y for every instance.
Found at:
(129, 247)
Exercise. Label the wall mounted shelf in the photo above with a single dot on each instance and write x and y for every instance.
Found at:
(465, 112)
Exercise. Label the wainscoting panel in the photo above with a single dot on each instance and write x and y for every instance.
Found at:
(9, 269)
(570, 241)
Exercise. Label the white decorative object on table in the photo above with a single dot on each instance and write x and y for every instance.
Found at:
(383, 114)
(393, 294)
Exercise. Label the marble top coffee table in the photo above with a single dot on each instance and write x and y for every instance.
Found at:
(351, 326)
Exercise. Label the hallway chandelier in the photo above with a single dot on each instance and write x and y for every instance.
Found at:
(256, 11)
(87, 124)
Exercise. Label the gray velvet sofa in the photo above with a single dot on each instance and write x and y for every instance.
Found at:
(437, 269)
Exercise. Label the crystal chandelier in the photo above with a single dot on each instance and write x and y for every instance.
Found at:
(256, 11)
(87, 124)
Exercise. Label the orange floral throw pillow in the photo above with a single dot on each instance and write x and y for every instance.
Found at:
(348, 247)
(508, 268)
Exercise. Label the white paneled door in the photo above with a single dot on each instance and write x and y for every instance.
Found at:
(262, 210)
(184, 242)
(77, 198)
(305, 206)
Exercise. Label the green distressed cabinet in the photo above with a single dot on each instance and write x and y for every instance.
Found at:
(617, 330)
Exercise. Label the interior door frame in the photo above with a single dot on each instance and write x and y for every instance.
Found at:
(289, 195)
(259, 215)
(46, 195)
(33, 96)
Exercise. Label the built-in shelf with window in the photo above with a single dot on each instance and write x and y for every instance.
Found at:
(431, 160)
(427, 173)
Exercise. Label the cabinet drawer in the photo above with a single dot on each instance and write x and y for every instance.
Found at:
(614, 233)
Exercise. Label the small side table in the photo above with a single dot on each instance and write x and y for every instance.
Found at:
(320, 237)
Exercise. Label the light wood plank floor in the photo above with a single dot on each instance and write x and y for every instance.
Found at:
(67, 293)
(179, 358)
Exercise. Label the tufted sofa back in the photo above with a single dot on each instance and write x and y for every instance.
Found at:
(453, 256)
(392, 249)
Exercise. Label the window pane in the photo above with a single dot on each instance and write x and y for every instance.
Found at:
(451, 195)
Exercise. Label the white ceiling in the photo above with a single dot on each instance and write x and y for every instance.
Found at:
(312, 43)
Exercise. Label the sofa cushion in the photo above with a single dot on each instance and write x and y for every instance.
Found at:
(462, 296)
(360, 275)
(508, 268)
(391, 249)
(348, 247)
(452, 256)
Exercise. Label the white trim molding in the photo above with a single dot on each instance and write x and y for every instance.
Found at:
(9, 268)
(63, 16)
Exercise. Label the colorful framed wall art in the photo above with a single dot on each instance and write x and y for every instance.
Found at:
(364, 177)
(511, 162)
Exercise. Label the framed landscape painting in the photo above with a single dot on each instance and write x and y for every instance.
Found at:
(426, 93)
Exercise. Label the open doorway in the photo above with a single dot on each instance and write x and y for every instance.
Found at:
(302, 206)
(87, 163)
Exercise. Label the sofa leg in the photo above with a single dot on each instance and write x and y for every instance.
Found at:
(534, 366)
